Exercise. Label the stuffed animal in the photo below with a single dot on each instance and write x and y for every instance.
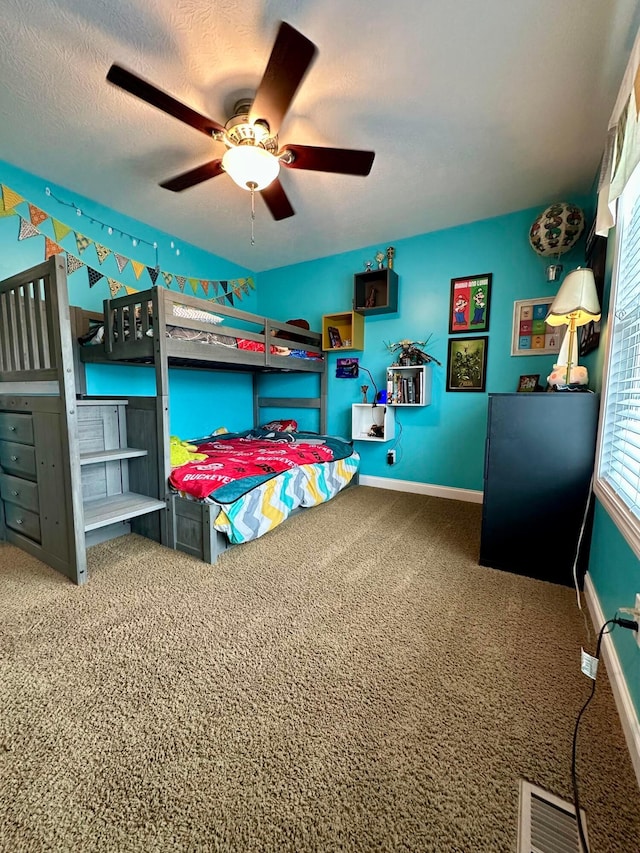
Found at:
(181, 452)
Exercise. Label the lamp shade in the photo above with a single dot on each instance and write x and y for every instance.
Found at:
(576, 300)
(556, 230)
(249, 165)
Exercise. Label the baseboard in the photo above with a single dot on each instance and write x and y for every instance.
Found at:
(469, 495)
(621, 695)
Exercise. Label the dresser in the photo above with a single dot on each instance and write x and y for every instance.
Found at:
(539, 458)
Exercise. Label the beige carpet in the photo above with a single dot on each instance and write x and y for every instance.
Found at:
(353, 681)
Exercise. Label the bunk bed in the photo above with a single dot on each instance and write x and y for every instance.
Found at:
(166, 329)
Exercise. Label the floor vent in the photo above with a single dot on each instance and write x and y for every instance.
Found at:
(547, 823)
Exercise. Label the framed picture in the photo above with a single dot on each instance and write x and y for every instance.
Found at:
(529, 382)
(467, 363)
(469, 307)
(596, 250)
(531, 335)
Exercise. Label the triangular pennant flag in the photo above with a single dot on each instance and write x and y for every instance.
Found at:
(168, 278)
(194, 285)
(130, 290)
(114, 286)
(216, 286)
(230, 298)
(237, 291)
(224, 286)
(94, 276)
(245, 287)
(26, 230)
(102, 252)
(181, 282)
(60, 230)
(73, 263)
(36, 215)
(251, 284)
(205, 286)
(51, 248)
(121, 261)
(82, 242)
(137, 268)
(153, 274)
(10, 198)
(11, 212)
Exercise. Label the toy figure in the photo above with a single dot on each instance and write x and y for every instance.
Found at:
(458, 309)
(480, 305)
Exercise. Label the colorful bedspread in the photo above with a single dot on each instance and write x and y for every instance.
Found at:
(238, 463)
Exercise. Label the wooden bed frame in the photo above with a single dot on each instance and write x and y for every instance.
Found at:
(189, 524)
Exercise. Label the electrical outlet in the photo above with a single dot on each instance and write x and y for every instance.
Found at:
(391, 457)
(638, 620)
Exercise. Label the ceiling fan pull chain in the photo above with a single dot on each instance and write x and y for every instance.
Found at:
(252, 187)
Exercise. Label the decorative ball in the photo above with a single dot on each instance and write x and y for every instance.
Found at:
(557, 229)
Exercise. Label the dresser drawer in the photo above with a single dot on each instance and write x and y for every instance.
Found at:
(15, 427)
(21, 492)
(22, 520)
(18, 459)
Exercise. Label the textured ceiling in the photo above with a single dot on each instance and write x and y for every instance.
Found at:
(474, 109)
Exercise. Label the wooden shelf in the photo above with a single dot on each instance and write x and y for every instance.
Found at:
(115, 508)
(111, 455)
(364, 415)
(348, 326)
(376, 292)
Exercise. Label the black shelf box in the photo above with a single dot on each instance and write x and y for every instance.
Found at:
(375, 291)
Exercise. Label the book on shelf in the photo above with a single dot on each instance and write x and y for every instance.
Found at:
(334, 336)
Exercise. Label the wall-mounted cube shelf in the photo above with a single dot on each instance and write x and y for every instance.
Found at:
(366, 415)
(376, 291)
(409, 386)
(344, 331)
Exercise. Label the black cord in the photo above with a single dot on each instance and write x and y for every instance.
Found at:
(375, 387)
(574, 776)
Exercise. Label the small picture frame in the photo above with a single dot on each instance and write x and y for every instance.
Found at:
(469, 304)
(528, 382)
(531, 335)
(467, 363)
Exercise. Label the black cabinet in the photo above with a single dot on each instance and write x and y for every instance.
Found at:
(539, 459)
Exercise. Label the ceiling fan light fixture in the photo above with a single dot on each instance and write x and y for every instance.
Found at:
(250, 166)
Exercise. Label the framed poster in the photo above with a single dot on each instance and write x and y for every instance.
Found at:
(467, 363)
(529, 382)
(469, 306)
(531, 335)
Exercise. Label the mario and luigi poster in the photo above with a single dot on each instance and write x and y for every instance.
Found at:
(469, 311)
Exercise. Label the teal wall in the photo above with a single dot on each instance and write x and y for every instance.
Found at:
(441, 444)
(200, 402)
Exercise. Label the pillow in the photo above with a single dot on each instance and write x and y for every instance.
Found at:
(281, 426)
(219, 431)
(195, 314)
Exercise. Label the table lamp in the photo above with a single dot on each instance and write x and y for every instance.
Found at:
(576, 304)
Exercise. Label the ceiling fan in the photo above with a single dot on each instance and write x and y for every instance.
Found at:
(253, 157)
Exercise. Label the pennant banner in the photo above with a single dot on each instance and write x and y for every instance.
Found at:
(51, 248)
(94, 276)
(27, 230)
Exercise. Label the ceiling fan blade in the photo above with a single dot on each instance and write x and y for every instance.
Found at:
(135, 85)
(277, 201)
(193, 176)
(291, 56)
(344, 161)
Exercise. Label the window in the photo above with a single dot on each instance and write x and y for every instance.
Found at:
(618, 470)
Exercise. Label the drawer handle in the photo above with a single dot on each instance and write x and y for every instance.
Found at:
(18, 521)
(15, 493)
(14, 458)
(12, 428)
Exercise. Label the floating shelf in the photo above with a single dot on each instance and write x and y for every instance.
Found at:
(409, 385)
(376, 291)
(344, 331)
(365, 415)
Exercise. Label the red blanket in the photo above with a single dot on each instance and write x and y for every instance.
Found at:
(236, 458)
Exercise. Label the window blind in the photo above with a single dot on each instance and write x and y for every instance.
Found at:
(619, 460)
